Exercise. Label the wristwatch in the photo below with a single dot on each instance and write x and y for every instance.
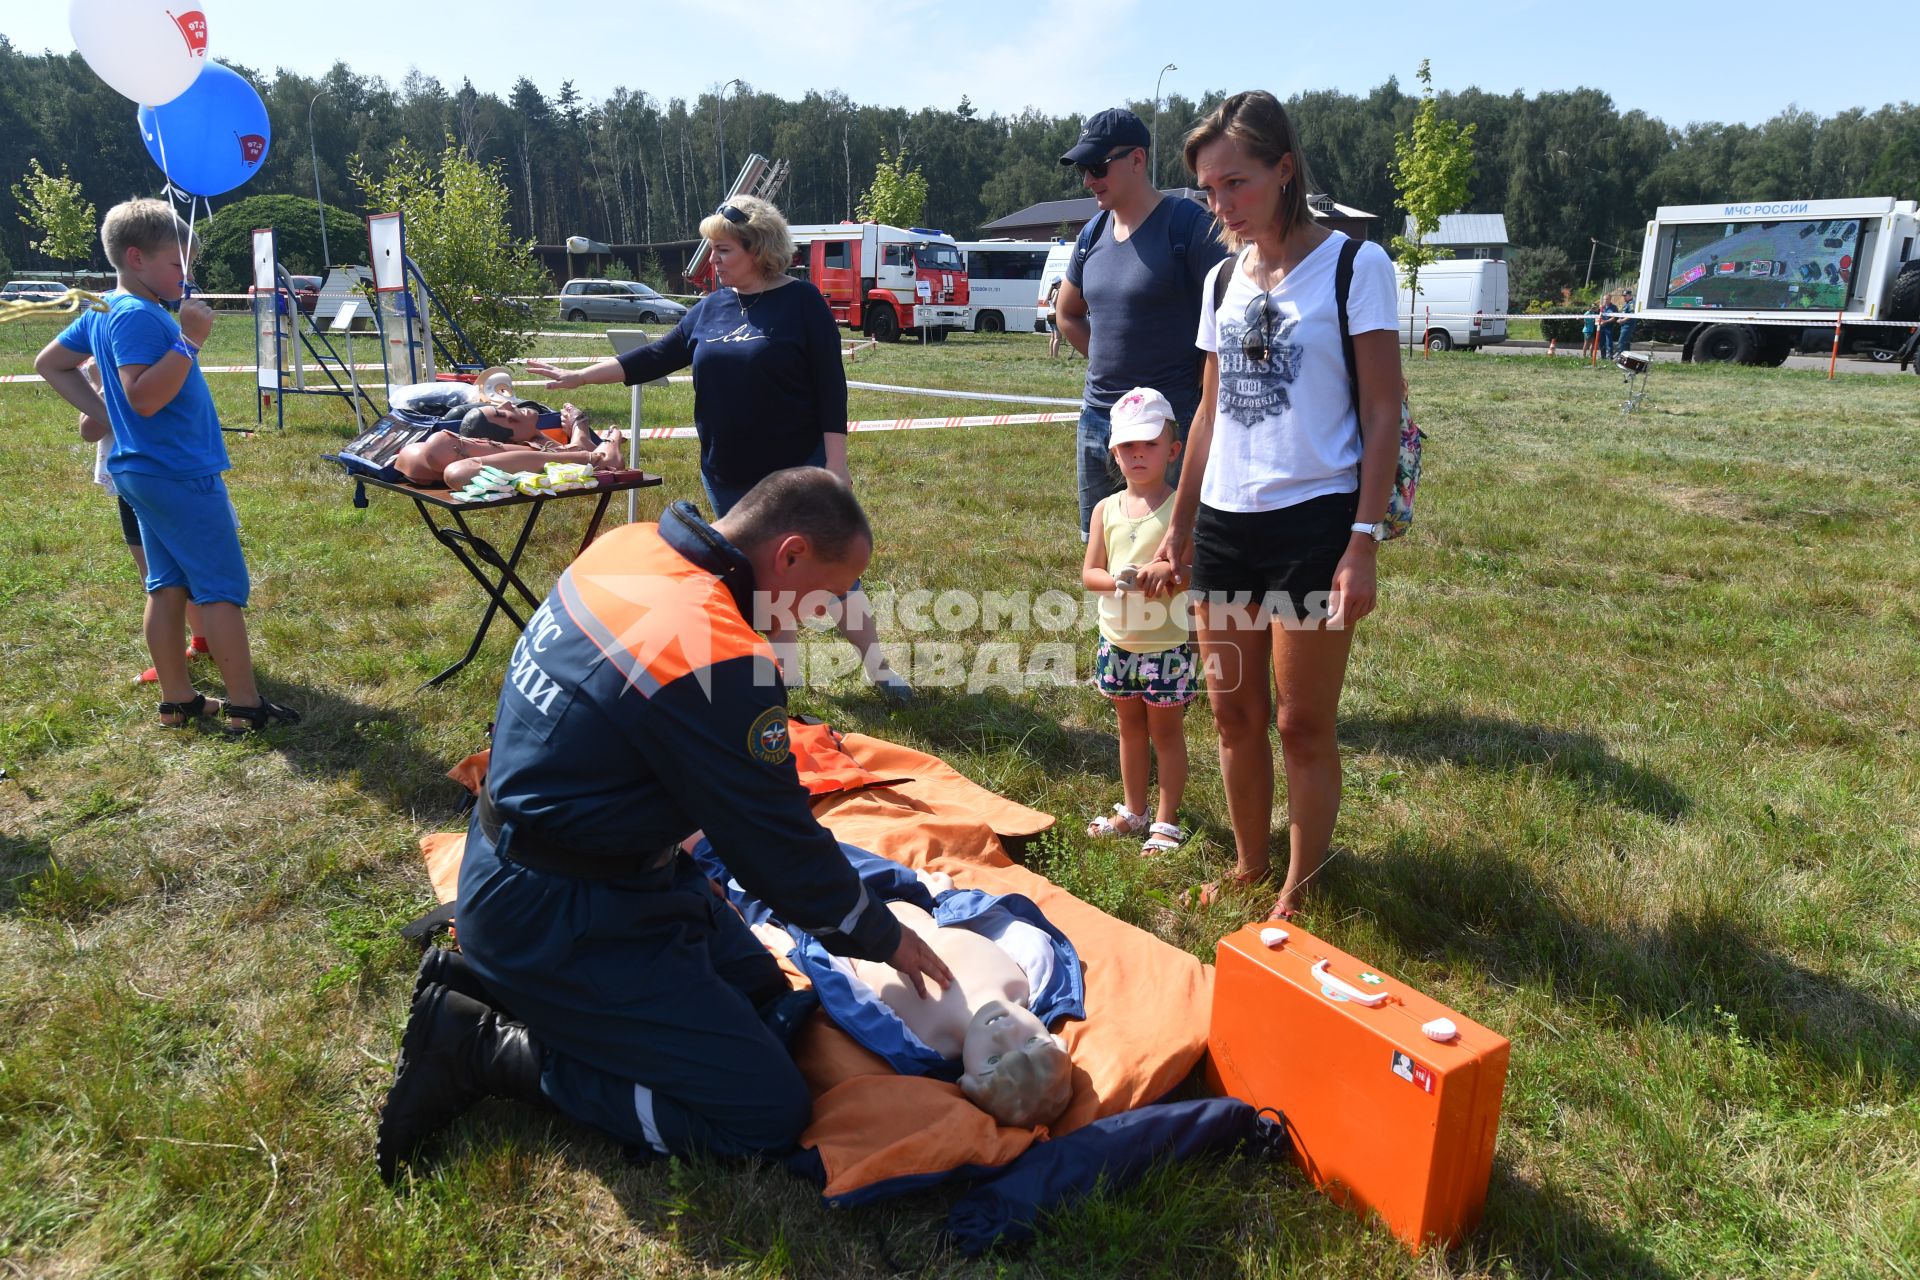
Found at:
(1378, 532)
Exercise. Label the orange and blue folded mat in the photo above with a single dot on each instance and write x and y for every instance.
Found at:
(876, 1133)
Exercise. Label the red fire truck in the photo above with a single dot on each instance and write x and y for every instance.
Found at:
(885, 281)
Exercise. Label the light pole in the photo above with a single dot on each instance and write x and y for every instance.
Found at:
(721, 133)
(313, 153)
(1153, 152)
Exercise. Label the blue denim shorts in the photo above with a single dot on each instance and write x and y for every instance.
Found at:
(190, 534)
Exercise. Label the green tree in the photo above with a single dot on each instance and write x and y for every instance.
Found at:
(225, 257)
(457, 232)
(1539, 275)
(1896, 172)
(55, 208)
(1432, 166)
(898, 195)
(651, 273)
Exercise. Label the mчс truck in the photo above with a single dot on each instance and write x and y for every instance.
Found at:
(883, 280)
(1751, 283)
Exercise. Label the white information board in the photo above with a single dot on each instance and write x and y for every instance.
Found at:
(269, 355)
(389, 252)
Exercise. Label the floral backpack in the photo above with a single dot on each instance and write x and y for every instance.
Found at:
(1406, 478)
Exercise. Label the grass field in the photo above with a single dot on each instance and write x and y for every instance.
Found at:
(1631, 776)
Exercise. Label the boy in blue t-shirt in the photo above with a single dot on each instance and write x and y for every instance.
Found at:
(167, 459)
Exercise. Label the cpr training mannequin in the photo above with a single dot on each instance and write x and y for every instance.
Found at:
(1015, 974)
(506, 436)
(1015, 1070)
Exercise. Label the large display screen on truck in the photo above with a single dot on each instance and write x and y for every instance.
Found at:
(1803, 265)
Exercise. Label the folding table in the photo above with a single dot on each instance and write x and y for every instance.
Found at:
(494, 572)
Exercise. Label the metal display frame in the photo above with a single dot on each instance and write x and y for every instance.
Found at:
(403, 298)
(281, 330)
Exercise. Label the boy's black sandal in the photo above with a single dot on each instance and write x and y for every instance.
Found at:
(188, 711)
(258, 718)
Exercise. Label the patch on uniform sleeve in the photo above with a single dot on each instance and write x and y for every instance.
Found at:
(767, 739)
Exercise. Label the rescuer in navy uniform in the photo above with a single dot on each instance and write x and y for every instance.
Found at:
(642, 704)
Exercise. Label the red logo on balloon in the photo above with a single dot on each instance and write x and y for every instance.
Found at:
(193, 29)
(252, 147)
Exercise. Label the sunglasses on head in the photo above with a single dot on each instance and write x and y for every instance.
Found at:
(1098, 169)
(733, 215)
(1257, 345)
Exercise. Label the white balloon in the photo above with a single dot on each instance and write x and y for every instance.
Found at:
(148, 50)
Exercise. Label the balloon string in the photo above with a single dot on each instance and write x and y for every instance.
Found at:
(166, 171)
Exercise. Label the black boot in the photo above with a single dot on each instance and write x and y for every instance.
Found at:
(456, 1051)
(449, 968)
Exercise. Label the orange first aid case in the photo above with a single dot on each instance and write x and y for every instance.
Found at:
(1384, 1116)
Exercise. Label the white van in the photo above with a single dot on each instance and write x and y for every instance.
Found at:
(1459, 298)
(1054, 271)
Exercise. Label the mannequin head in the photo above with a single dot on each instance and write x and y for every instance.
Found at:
(504, 421)
(1015, 1069)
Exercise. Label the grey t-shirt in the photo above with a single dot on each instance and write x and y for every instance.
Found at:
(1143, 303)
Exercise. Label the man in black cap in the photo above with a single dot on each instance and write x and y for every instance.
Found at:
(1130, 302)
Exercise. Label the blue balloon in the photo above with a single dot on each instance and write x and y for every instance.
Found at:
(215, 135)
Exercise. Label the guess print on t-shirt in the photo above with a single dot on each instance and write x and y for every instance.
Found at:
(1254, 390)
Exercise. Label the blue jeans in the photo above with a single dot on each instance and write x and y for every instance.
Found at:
(1094, 464)
(724, 497)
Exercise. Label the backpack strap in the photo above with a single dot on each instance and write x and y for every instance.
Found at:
(1342, 286)
(1222, 278)
(1181, 236)
(1089, 236)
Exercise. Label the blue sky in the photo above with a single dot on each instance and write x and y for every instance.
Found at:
(1681, 60)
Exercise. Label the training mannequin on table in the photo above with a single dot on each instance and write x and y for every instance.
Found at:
(1014, 973)
(507, 437)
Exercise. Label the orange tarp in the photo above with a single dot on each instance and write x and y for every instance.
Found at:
(1147, 1002)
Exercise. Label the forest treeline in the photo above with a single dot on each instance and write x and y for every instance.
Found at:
(1564, 167)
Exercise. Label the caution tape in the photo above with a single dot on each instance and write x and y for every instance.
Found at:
(897, 424)
(936, 392)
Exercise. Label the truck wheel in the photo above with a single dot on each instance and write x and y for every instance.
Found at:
(883, 324)
(576, 314)
(1903, 303)
(1439, 340)
(1725, 344)
(990, 322)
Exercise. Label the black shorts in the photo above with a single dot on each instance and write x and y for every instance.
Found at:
(1260, 554)
(129, 523)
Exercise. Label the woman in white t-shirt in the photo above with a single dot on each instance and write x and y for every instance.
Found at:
(1285, 484)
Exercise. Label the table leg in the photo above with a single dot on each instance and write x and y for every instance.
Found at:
(593, 525)
(459, 542)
